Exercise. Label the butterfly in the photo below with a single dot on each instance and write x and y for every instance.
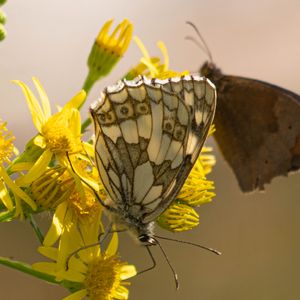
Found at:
(257, 126)
(149, 134)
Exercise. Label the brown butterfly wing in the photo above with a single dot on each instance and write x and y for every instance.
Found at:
(258, 130)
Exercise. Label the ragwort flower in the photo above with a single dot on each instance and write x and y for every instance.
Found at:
(6, 151)
(90, 273)
(107, 51)
(58, 135)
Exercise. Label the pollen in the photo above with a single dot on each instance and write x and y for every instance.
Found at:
(103, 278)
(58, 138)
(6, 143)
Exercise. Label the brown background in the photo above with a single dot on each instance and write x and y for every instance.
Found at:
(258, 233)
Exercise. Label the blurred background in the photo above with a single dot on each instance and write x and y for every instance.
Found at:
(258, 233)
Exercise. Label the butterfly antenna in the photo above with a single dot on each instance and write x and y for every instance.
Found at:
(169, 263)
(189, 243)
(202, 46)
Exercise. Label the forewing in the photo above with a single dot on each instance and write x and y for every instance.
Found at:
(258, 130)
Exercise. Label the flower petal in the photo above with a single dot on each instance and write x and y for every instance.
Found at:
(37, 169)
(127, 271)
(44, 98)
(4, 196)
(36, 111)
(56, 228)
(77, 295)
(121, 293)
(49, 252)
(45, 267)
(76, 101)
(113, 245)
(16, 190)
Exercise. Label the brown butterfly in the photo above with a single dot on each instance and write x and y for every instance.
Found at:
(257, 126)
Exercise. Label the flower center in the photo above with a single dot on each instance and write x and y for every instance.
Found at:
(103, 278)
(59, 139)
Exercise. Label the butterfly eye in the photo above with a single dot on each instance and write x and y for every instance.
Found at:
(147, 240)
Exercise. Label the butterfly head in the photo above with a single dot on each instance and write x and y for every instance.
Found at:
(147, 240)
(210, 71)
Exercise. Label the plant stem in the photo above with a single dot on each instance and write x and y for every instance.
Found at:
(36, 229)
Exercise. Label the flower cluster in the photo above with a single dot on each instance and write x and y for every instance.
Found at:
(56, 173)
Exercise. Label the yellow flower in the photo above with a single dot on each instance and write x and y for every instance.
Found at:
(61, 189)
(107, 51)
(155, 69)
(197, 190)
(90, 273)
(6, 151)
(178, 217)
(59, 133)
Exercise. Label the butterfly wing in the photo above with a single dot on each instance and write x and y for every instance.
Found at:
(199, 95)
(145, 142)
(258, 130)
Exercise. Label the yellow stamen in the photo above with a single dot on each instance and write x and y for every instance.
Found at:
(103, 278)
(178, 217)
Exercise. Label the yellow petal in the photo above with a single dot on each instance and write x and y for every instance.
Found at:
(37, 169)
(45, 267)
(121, 293)
(113, 245)
(36, 111)
(89, 149)
(142, 48)
(49, 252)
(78, 265)
(4, 196)
(16, 190)
(44, 98)
(127, 271)
(77, 295)
(104, 31)
(75, 123)
(73, 276)
(76, 101)
(164, 51)
(39, 141)
(55, 229)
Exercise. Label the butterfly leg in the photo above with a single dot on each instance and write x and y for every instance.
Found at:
(152, 259)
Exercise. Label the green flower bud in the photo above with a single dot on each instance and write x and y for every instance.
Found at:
(2, 17)
(2, 32)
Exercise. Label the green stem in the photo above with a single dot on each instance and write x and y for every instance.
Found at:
(36, 229)
(89, 82)
(25, 268)
(85, 124)
(7, 216)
